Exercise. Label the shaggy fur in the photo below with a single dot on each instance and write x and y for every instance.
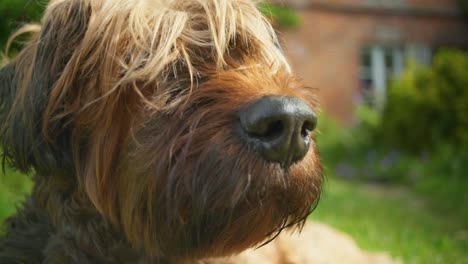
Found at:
(125, 111)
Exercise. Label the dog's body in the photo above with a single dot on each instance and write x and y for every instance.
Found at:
(159, 131)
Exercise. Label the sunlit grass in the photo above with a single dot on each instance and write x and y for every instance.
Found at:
(13, 187)
(394, 220)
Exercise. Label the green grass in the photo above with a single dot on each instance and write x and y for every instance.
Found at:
(13, 187)
(395, 220)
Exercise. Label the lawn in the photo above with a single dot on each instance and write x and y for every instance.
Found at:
(13, 187)
(392, 219)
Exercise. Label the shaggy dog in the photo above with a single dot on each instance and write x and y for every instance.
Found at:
(158, 131)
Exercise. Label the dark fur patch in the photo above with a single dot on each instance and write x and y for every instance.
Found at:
(28, 232)
(24, 104)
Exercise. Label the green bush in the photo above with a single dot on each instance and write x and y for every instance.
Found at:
(13, 188)
(420, 140)
(354, 153)
(358, 154)
(282, 16)
(15, 13)
(429, 106)
(464, 7)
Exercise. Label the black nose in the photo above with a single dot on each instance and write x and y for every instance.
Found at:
(279, 127)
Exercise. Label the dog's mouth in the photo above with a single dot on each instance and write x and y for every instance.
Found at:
(230, 230)
(251, 212)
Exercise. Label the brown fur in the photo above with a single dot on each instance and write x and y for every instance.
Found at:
(126, 112)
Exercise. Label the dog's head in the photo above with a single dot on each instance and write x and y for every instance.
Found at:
(179, 120)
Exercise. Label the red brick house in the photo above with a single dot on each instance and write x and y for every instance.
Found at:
(349, 49)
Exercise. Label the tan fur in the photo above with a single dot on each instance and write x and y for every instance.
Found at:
(317, 243)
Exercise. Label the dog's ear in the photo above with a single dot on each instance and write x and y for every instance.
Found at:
(7, 93)
(7, 98)
(26, 84)
(19, 132)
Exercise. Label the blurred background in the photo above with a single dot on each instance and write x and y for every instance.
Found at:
(393, 133)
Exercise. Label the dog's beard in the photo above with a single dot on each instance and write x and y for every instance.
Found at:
(220, 197)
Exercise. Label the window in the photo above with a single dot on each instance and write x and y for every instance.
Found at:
(381, 64)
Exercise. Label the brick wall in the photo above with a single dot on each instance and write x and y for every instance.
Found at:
(326, 50)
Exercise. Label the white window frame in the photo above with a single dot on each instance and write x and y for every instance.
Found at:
(379, 74)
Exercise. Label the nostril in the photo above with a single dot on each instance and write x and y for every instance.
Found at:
(307, 127)
(272, 131)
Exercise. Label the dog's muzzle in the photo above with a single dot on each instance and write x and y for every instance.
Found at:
(279, 128)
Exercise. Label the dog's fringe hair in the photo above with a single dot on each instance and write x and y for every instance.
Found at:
(156, 34)
(111, 48)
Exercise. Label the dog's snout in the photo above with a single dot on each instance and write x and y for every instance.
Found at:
(279, 127)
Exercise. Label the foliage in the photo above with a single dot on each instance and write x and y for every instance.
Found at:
(284, 17)
(358, 154)
(13, 188)
(412, 205)
(420, 139)
(14, 13)
(353, 153)
(429, 106)
(464, 7)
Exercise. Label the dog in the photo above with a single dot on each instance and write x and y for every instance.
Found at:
(157, 131)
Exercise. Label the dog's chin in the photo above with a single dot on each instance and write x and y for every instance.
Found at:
(219, 204)
(264, 210)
